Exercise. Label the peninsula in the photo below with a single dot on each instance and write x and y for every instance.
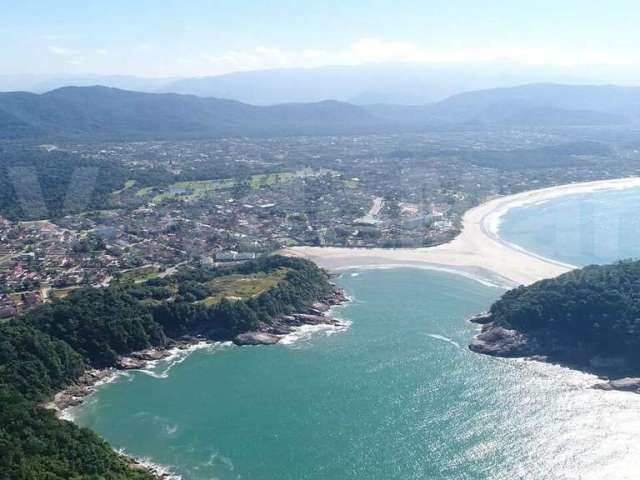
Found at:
(587, 319)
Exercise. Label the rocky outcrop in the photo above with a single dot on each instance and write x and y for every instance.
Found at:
(502, 342)
(309, 319)
(83, 386)
(256, 338)
(272, 333)
(626, 384)
(481, 318)
(498, 341)
(138, 360)
(150, 355)
(130, 363)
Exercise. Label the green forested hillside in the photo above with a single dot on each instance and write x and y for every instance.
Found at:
(51, 346)
(103, 111)
(35, 184)
(596, 308)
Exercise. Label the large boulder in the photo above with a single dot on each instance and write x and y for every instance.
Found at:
(623, 384)
(256, 338)
(501, 342)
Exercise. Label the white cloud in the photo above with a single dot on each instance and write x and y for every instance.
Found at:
(75, 61)
(68, 56)
(62, 51)
(150, 60)
(372, 50)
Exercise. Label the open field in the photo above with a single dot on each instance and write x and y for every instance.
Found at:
(201, 188)
(243, 286)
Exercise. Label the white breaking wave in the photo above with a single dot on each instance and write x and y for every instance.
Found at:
(176, 357)
(443, 338)
(305, 332)
(157, 469)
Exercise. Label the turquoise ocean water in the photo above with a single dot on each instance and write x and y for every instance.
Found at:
(397, 395)
(579, 229)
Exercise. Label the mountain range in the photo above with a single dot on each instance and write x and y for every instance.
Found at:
(78, 111)
(389, 83)
(97, 110)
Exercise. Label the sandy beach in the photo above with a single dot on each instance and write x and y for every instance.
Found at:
(478, 251)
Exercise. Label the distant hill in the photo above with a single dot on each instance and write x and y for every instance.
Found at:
(396, 83)
(527, 105)
(40, 83)
(109, 111)
(103, 111)
(540, 104)
(385, 83)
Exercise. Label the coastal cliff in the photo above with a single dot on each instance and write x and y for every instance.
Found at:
(587, 319)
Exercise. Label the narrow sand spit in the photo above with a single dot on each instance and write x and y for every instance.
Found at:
(478, 251)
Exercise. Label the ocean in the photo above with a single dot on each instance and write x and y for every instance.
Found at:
(579, 229)
(397, 395)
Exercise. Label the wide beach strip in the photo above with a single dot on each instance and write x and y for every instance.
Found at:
(478, 251)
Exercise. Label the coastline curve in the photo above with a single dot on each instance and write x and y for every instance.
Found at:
(478, 251)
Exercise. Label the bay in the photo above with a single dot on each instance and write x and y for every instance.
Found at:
(397, 395)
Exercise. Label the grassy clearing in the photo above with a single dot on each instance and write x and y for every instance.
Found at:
(127, 185)
(243, 286)
(200, 189)
(60, 293)
(140, 274)
(144, 191)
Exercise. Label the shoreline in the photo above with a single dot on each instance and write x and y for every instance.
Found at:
(478, 251)
(286, 330)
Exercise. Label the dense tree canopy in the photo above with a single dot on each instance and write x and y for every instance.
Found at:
(34, 445)
(34, 364)
(37, 184)
(100, 324)
(598, 307)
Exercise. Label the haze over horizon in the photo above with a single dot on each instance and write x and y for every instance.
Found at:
(204, 38)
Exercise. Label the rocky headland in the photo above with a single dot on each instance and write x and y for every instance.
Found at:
(272, 333)
(498, 341)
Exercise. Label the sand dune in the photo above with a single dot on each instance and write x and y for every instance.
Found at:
(478, 251)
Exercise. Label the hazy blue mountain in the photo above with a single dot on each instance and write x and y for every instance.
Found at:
(19, 82)
(543, 103)
(527, 105)
(109, 111)
(124, 82)
(390, 83)
(46, 83)
(397, 83)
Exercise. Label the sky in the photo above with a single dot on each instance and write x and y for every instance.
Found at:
(171, 38)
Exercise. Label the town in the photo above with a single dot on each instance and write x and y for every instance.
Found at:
(212, 202)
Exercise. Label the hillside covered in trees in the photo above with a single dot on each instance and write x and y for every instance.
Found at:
(36, 184)
(111, 112)
(50, 347)
(589, 318)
